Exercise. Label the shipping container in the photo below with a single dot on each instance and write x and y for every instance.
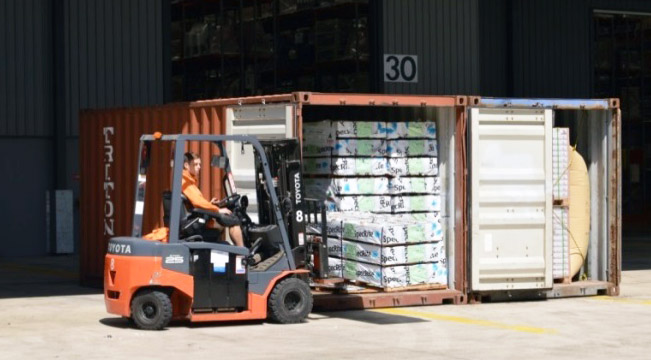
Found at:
(473, 187)
(110, 139)
(501, 129)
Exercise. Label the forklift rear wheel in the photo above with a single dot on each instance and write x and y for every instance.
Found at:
(290, 301)
(151, 310)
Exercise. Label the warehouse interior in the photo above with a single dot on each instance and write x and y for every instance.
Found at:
(66, 56)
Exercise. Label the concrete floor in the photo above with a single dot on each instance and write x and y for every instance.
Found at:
(44, 314)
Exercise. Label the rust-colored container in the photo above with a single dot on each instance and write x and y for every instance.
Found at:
(109, 145)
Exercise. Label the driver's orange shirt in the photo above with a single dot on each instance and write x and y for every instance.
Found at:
(191, 191)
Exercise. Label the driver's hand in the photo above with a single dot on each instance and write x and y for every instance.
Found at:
(225, 211)
(214, 201)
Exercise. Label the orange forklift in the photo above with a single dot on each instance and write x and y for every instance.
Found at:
(195, 274)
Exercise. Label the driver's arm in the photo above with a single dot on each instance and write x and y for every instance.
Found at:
(195, 196)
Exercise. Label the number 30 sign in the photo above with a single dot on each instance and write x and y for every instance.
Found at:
(400, 68)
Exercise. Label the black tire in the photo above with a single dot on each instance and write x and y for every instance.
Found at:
(290, 301)
(151, 310)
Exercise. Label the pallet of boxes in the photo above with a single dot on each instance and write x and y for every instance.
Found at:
(560, 212)
(380, 184)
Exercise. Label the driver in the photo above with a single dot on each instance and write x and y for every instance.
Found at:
(191, 168)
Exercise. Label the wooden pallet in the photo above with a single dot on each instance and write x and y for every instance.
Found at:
(364, 288)
(417, 287)
(333, 301)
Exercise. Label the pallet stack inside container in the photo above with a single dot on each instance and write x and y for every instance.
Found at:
(561, 196)
(379, 181)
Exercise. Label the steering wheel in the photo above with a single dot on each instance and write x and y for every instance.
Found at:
(229, 202)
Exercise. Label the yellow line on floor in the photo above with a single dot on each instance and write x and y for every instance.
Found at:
(621, 300)
(469, 321)
(40, 270)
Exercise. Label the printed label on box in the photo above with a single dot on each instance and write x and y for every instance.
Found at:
(317, 166)
(335, 267)
(412, 148)
(334, 247)
(411, 129)
(413, 166)
(407, 185)
(359, 147)
(409, 203)
(364, 203)
(360, 129)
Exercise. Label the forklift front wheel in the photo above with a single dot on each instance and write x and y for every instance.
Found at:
(290, 301)
(151, 310)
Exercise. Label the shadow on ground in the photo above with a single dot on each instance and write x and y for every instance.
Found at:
(372, 317)
(636, 252)
(124, 323)
(41, 276)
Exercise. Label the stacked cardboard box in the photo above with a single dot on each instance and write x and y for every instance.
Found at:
(561, 194)
(358, 160)
(385, 250)
(561, 239)
(561, 163)
(381, 186)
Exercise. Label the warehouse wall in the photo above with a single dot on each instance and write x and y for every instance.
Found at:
(495, 74)
(551, 48)
(59, 57)
(112, 56)
(26, 68)
(540, 48)
(28, 169)
(26, 126)
(444, 36)
(537, 48)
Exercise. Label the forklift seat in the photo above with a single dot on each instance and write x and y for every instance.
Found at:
(189, 224)
(167, 204)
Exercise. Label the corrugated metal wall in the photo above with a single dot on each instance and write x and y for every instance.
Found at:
(444, 36)
(495, 73)
(27, 167)
(113, 55)
(26, 129)
(26, 68)
(541, 48)
(59, 57)
(551, 48)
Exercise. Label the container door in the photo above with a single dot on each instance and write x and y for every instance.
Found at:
(265, 122)
(511, 198)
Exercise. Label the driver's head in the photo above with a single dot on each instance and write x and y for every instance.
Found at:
(192, 163)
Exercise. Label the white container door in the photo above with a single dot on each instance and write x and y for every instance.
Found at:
(511, 199)
(265, 122)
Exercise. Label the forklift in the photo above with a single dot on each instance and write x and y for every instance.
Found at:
(195, 275)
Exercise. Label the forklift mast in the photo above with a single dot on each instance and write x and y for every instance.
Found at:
(285, 166)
